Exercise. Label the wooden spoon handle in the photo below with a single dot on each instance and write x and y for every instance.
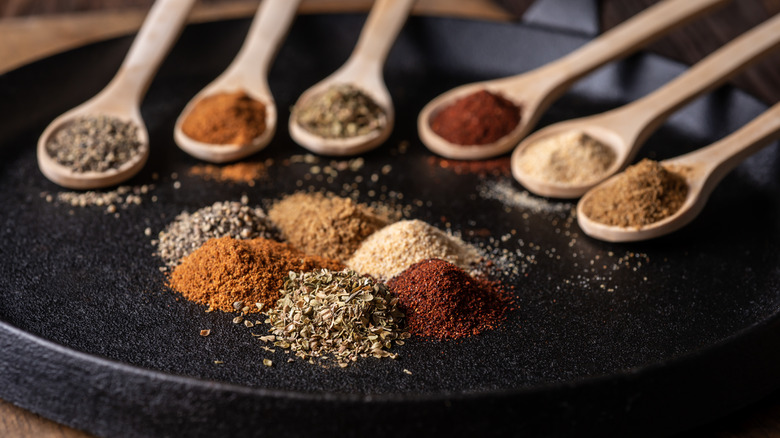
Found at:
(270, 25)
(636, 32)
(160, 29)
(383, 24)
(721, 157)
(645, 115)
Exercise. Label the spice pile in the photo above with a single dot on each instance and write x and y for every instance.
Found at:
(329, 226)
(339, 112)
(567, 158)
(395, 247)
(226, 118)
(643, 194)
(225, 271)
(341, 314)
(443, 301)
(189, 231)
(95, 144)
(476, 119)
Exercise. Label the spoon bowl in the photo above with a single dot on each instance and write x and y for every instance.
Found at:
(702, 171)
(536, 90)
(625, 129)
(362, 70)
(248, 72)
(121, 98)
(67, 177)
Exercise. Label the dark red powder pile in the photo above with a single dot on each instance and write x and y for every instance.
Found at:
(443, 301)
(476, 119)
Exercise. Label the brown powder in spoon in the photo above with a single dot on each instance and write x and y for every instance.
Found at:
(225, 118)
(645, 193)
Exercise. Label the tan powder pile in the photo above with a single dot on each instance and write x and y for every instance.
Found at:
(394, 248)
(226, 271)
(645, 193)
(571, 157)
(325, 225)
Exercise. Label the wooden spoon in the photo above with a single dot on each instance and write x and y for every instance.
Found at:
(703, 170)
(247, 72)
(535, 90)
(121, 98)
(363, 70)
(626, 128)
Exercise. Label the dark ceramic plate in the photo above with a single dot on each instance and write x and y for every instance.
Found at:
(640, 339)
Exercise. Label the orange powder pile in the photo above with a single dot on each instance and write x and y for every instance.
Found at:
(225, 271)
(244, 172)
(225, 118)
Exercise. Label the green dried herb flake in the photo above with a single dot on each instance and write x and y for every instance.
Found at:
(341, 316)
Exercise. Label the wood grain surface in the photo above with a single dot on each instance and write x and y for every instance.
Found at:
(32, 29)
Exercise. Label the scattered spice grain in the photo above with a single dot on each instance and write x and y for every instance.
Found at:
(226, 118)
(643, 194)
(340, 111)
(571, 157)
(340, 315)
(189, 231)
(224, 271)
(476, 119)
(95, 144)
(243, 172)
(395, 247)
(442, 301)
(326, 225)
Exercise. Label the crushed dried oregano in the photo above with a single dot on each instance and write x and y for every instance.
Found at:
(335, 314)
(340, 111)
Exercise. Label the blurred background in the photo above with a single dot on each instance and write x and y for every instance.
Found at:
(36, 28)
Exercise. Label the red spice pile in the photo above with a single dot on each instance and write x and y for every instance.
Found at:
(479, 118)
(443, 301)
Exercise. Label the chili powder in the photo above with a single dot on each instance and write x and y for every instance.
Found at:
(476, 119)
(442, 301)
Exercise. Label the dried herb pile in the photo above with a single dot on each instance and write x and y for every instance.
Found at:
(340, 111)
(335, 315)
(225, 270)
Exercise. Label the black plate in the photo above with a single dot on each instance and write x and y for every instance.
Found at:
(648, 339)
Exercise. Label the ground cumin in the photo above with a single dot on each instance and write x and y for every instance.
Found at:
(326, 225)
(645, 193)
(226, 270)
(225, 118)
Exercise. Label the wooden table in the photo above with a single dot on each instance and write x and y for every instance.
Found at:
(32, 29)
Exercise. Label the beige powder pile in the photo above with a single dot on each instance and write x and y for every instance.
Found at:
(570, 158)
(325, 225)
(394, 248)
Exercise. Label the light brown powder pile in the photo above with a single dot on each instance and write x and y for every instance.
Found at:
(326, 225)
(569, 158)
(645, 193)
(225, 271)
(394, 248)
